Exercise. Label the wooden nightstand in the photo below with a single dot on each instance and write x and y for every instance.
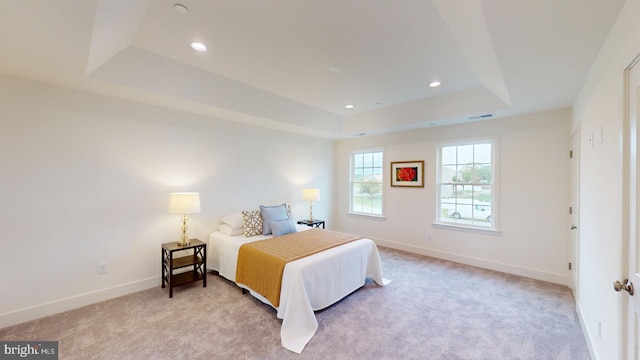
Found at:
(197, 260)
(315, 223)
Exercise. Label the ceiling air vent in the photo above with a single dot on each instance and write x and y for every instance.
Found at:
(481, 117)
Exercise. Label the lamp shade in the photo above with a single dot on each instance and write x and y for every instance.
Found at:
(311, 194)
(184, 203)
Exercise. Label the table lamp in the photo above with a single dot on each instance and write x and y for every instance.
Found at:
(311, 195)
(182, 204)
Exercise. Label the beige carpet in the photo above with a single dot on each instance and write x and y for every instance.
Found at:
(433, 309)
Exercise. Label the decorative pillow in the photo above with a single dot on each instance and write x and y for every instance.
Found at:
(252, 223)
(225, 228)
(270, 213)
(234, 220)
(281, 227)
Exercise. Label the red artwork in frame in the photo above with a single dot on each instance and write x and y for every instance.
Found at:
(407, 173)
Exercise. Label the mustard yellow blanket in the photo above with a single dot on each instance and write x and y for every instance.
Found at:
(261, 263)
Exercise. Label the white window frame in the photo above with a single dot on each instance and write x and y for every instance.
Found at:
(495, 208)
(352, 182)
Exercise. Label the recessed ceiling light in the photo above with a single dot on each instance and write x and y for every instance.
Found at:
(435, 84)
(181, 8)
(198, 46)
(349, 106)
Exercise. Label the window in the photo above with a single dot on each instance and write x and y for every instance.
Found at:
(367, 182)
(467, 190)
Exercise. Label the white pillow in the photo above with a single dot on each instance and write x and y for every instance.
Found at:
(225, 228)
(234, 220)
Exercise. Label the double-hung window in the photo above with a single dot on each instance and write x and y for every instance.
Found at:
(366, 193)
(467, 183)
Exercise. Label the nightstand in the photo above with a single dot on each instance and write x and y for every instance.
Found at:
(195, 263)
(313, 223)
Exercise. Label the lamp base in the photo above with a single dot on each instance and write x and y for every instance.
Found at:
(184, 240)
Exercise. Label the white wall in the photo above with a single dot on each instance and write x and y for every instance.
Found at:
(534, 197)
(601, 104)
(86, 179)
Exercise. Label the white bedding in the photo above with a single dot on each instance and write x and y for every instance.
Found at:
(308, 284)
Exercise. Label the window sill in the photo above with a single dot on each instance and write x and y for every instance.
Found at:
(468, 229)
(367, 216)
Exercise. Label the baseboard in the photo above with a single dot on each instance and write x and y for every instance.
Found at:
(586, 333)
(561, 279)
(74, 302)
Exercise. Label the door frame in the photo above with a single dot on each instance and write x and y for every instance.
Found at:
(630, 188)
(574, 216)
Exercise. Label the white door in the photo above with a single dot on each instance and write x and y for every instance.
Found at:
(631, 248)
(574, 237)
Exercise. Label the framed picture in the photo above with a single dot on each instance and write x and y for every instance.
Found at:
(407, 173)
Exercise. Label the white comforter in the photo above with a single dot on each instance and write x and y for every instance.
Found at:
(308, 284)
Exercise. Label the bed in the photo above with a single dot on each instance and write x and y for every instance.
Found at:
(308, 284)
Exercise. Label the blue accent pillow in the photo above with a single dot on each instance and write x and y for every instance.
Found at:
(271, 213)
(281, 227)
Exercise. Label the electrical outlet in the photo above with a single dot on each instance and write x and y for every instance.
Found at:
(429, 237)
(102, 268)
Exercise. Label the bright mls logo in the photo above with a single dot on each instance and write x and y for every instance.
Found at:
(29, 350)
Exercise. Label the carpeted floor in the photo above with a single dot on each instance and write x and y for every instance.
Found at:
(433, 309)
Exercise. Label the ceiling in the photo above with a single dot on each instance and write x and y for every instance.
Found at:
(295, 64)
